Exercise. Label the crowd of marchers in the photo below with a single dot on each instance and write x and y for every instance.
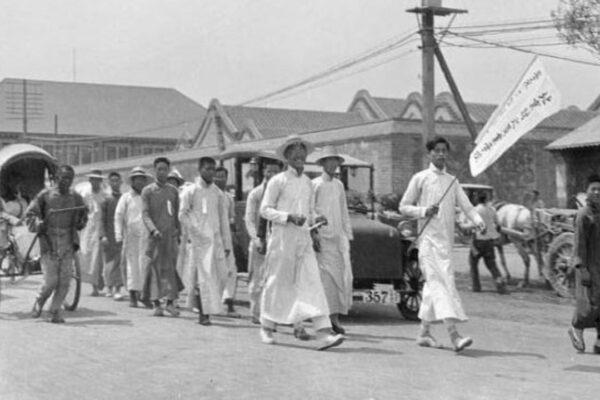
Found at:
(169, 238)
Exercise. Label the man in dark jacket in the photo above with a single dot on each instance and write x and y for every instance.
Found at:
(586, 260)
(56, 214)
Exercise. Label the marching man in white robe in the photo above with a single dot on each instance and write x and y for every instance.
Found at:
(91, 251)
(131, 231)
(293, 291)
(204, 214)
(257, 230)
(424, 199)
(333, 251)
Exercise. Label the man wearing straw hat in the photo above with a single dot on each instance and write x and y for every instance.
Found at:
(131, 232)
(333, 239)
(293, 291)
(91, 251)
(432, 196)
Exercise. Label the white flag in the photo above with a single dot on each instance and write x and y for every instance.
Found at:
(534, 98)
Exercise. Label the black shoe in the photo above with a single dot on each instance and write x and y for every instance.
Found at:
(204, 320)
(133, 302)
(338, 329)
(36, 311)
(596, 349)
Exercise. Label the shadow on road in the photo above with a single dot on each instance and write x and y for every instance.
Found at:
(91, 322)
(88, 312)
(584, 368)
(359, 337)
(479, 353)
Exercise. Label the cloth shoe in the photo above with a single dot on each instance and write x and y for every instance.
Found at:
(170, 308)
(256, 320)
(577, 341)
(266, 336)
(158, 312)
(460, 343)
(301, 334)
(133, 302)
(501, 286)
(204, 320)
(338, 329)
(56, 318)
(427, 340)
(118, 296)
(38, 305)
(597, 346)
(329, 341)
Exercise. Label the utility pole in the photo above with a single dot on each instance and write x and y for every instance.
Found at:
(429, 10)
(24, 137)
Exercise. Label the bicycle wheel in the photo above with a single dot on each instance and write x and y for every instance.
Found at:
(72, 299)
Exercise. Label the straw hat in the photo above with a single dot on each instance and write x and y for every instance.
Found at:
(174, 174)
(291, 140)
(95, 174)
(329, 151)
(138, 171)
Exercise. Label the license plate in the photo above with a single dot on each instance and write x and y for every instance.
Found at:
(378, 296)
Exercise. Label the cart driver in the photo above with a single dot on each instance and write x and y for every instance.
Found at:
(56, 214)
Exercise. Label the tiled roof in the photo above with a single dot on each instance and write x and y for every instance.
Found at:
(394, 108)
(586, 135)
(275, 122)
(98, 110)
(481, 112)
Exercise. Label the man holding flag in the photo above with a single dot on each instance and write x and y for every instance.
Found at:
(432, 196)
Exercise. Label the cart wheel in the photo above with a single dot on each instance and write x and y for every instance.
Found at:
(411, 292)
(72, 299)
(561, 273)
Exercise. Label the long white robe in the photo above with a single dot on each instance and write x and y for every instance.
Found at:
(293, 291)
(91, 253)
(131, 230)
(440, 297)
(334, 257)
(255, 260)
(183, 256)
(231, 280)
(204, 215)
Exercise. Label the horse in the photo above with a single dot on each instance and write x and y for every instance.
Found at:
(516, 227)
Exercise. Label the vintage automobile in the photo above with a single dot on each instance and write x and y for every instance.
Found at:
(383, 271)
(28, 169)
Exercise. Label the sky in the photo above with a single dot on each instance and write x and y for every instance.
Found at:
(237, 50)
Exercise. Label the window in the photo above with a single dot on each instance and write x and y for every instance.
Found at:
(73, 155)
(123, 151)
(111, 152)
(86, 154)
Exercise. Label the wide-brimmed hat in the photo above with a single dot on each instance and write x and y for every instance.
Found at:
(329, 151)
(174, 174)
(138, 171)
(291, 140)
(95, 173)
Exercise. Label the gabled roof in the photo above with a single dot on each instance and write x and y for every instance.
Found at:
(275, 122)
(587, 135)
(568, 118)
(98, 110)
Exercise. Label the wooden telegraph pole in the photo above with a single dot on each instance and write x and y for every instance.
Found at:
(429, 10)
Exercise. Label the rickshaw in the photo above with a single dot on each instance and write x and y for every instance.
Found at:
(24, 171)
(383, 271)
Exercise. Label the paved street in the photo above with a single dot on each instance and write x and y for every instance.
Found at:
(107, 350)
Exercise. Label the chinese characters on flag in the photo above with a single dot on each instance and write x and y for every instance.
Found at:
(534, 98)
